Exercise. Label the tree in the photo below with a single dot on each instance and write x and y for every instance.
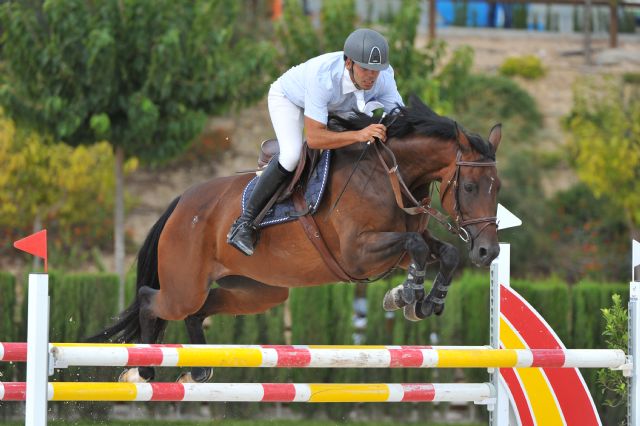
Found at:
(414, 66)
(604, 143)
(69, 188)
(141, 74)
(301, 41)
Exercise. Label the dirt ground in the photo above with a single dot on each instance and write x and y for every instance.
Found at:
(561, 54)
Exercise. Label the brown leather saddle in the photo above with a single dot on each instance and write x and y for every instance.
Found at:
(308, 160)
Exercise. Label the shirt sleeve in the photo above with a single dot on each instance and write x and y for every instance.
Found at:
(389, 95)
(317, 98)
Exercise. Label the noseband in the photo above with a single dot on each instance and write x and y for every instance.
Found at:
(459, 224)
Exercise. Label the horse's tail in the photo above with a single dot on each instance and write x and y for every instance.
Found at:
(127, 326)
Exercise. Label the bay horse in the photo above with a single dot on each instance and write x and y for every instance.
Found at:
(367, 232)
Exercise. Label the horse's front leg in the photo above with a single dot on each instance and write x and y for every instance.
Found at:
(383, 246)
(449, 258)
(423, 306)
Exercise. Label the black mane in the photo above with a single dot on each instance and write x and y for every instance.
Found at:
(406, 120)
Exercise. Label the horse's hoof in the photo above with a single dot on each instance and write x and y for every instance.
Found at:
(439, 309)
(201, 374)
(131, 375)
(185, 378)
(393, 299)
(427, 308)
(413, 312)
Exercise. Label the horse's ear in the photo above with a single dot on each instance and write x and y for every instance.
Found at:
(463, 141)
(495, 135)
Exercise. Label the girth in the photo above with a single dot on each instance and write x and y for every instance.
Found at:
(311, 230)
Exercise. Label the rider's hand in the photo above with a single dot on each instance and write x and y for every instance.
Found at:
(372, 131)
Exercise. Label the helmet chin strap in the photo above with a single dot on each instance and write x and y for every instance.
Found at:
(353, 78)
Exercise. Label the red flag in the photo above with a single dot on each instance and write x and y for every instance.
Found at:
(35, 244)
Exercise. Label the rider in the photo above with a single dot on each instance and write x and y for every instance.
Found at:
(303, 97)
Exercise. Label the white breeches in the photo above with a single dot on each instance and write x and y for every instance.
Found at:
(288, 122)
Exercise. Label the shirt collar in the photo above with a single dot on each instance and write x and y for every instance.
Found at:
(347, 84)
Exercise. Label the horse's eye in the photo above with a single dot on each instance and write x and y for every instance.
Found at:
(469, 187)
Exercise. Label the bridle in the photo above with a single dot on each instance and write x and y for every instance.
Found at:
(459, 223)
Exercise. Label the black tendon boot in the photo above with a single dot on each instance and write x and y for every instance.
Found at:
(243, 232)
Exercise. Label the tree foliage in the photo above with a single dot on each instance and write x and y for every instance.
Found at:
(339, 18)
(142, 75)
(69, 188)
(414, 66)
(300, 39)
(604, 142)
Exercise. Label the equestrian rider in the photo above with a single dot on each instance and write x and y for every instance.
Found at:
(303, 97)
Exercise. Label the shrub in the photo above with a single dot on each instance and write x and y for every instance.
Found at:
(479, 101)
(590, 234)
(631, 77)
(527, 66)
(614, 385)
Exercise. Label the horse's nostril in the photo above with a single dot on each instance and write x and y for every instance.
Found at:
(482, 252)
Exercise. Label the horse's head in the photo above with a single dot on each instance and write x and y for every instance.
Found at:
(469, 194)
(467, 169)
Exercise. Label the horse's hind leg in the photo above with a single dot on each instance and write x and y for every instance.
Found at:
(151, 330)
(235, 295)
(449, 258)
(196, 336)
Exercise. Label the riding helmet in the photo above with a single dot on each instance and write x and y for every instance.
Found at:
(367, 48)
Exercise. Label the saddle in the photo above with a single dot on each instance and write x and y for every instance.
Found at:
(308, 160)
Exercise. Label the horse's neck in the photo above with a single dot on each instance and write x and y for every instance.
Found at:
(423, 159)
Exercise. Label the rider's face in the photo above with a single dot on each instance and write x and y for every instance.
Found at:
(363, 78)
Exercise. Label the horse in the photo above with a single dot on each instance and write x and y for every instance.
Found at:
(361, 218)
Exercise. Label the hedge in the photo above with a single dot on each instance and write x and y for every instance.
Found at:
(82, 304)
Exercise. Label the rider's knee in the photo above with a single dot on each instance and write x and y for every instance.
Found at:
(289, 159)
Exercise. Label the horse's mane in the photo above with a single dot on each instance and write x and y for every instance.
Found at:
(406, 120)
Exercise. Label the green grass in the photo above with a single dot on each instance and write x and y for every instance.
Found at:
(235, 423)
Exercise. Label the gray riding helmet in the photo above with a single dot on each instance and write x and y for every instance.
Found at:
(367, 48)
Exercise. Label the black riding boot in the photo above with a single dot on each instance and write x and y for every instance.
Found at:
(243, 233)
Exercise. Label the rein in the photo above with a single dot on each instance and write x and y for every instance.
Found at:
(362, 154)
(424, 207)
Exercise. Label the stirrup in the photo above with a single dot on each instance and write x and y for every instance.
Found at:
(247, 248)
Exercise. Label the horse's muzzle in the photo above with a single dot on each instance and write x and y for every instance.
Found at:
(483, 254)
